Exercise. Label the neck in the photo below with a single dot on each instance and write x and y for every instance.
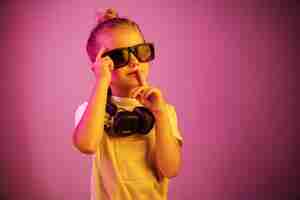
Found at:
(120, 92)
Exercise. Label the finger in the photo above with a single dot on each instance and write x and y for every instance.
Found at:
(138, 91)
(149, 92)
(141, 78)
(110, 63)
(144, 92)
(131, 93)
(100, 53)
(106, 61)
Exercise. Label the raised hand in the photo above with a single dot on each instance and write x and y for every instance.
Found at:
(149, 96)
(102, 67)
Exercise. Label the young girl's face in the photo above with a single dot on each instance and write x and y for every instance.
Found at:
(124, 77)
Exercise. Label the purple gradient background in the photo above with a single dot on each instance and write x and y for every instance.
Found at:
(229, 69)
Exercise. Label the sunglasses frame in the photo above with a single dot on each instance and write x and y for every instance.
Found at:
(132, 50)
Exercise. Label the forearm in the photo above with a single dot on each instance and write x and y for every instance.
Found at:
(89, 131)
(167, 149)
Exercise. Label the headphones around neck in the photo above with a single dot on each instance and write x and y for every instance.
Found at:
(125, 123)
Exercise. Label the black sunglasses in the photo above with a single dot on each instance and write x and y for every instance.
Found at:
(143, 52)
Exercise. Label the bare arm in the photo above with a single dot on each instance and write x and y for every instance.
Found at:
(167, 148)
(88, 132)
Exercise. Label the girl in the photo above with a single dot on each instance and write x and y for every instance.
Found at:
(135, 166)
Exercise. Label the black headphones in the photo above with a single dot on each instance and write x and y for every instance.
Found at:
(125, 123)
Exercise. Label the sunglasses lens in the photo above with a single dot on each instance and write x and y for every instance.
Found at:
(145, 52)
(119, 57)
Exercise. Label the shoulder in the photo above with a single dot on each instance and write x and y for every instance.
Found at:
(174, 122)
(82, 106)
(171, 109)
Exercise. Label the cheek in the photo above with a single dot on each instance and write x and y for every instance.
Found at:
(114, 75)
(145, 69)
(117, 74)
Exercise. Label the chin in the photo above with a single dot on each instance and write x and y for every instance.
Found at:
(133, 84)
(128, 84)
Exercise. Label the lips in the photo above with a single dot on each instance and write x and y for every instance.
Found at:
(133, 72)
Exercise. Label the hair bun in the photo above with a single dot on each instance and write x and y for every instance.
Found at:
(108, 14)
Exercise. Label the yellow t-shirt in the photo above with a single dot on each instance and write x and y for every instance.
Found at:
(122, 167)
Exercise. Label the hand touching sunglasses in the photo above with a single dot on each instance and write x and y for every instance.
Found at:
(143, 52)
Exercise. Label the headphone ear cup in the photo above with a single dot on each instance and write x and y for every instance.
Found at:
(111, 109)
(125, 123)
(146, 119)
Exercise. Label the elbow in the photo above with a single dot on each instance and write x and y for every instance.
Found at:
(85, 150)
(83, 147)
(171, 173)
(169, 169)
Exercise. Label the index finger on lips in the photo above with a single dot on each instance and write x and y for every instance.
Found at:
(141, 78)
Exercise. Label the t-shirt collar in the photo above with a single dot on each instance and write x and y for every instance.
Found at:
(126, 101)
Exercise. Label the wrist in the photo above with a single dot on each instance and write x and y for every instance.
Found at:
(160, 111)
(103, 80)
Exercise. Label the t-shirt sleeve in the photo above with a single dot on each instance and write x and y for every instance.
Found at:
(174, 124)
(79, 112)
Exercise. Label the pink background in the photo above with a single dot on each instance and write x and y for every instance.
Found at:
(228, 68)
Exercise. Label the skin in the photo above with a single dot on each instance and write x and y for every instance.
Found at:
(122, 83)
(88, 133)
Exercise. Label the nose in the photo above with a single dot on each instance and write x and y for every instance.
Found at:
(133, 61)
